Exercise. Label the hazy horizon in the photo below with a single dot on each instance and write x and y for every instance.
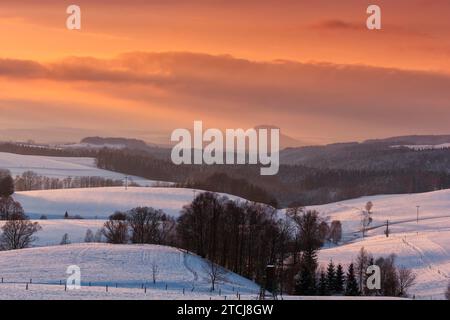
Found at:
(141, 69)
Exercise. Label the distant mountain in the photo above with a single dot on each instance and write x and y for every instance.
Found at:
(374, 154)
(118, 142)
(414, 140)
(285, 141)
(94, 143)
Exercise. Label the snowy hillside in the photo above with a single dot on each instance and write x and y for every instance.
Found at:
(61, 167)
(427, 253)
(400, 210)
(422, 246)
(53, 230)
(102, 202)
(127, 266)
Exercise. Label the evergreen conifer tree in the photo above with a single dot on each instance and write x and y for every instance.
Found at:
(339, 281)
(331, 277)
(322, 286)
(351, 288)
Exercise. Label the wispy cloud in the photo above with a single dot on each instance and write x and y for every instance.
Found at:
(335, 24)
(236, 92)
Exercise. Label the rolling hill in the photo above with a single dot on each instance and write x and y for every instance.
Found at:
(61, 167)
(129, 267)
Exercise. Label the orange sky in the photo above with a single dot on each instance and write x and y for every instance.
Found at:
(143, 68)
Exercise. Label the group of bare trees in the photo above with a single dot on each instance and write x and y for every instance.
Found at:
(246, 237)
(140, 225)
(30, 180)
(17, 232)
(395, 280)
(241, 236)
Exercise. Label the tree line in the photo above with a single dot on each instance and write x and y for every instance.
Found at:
(294, 184)
(244, 237)
(18, 232)
(30, 180)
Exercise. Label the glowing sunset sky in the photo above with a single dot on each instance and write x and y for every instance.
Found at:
(141, 68)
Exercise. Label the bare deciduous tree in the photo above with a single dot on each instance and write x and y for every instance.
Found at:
(362, 262)
(335, 231)
(18, 234)
(10, 209)
(115, 231)
(145, 224)
(89, 237)
(155, 271)
(406, 279)
(369, 206)
(98, 236)
(215, 273)
(65, 239)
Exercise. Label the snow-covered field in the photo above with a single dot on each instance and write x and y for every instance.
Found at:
(423, 246)
(127, 266)
(400, 210)
(102, 202)
(53, 230)
(426, 253)
(61, 167)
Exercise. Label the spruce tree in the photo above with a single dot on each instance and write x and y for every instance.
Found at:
(306, 281)
(306, 278)
(351, 288)
(339, 281)
(322, 287)
(331, 277)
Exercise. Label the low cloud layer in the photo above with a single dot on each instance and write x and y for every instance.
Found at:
(325, 102)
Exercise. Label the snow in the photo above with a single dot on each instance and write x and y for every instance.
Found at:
(419, 147)
(427, 254)
(422, 246)
(102, 202)
(53, 230)
(127, 266)
(61, 167)
(399, 209)
(84, 145)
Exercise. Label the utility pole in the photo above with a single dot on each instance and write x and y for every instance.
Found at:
(387, 229)
(418, 209)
